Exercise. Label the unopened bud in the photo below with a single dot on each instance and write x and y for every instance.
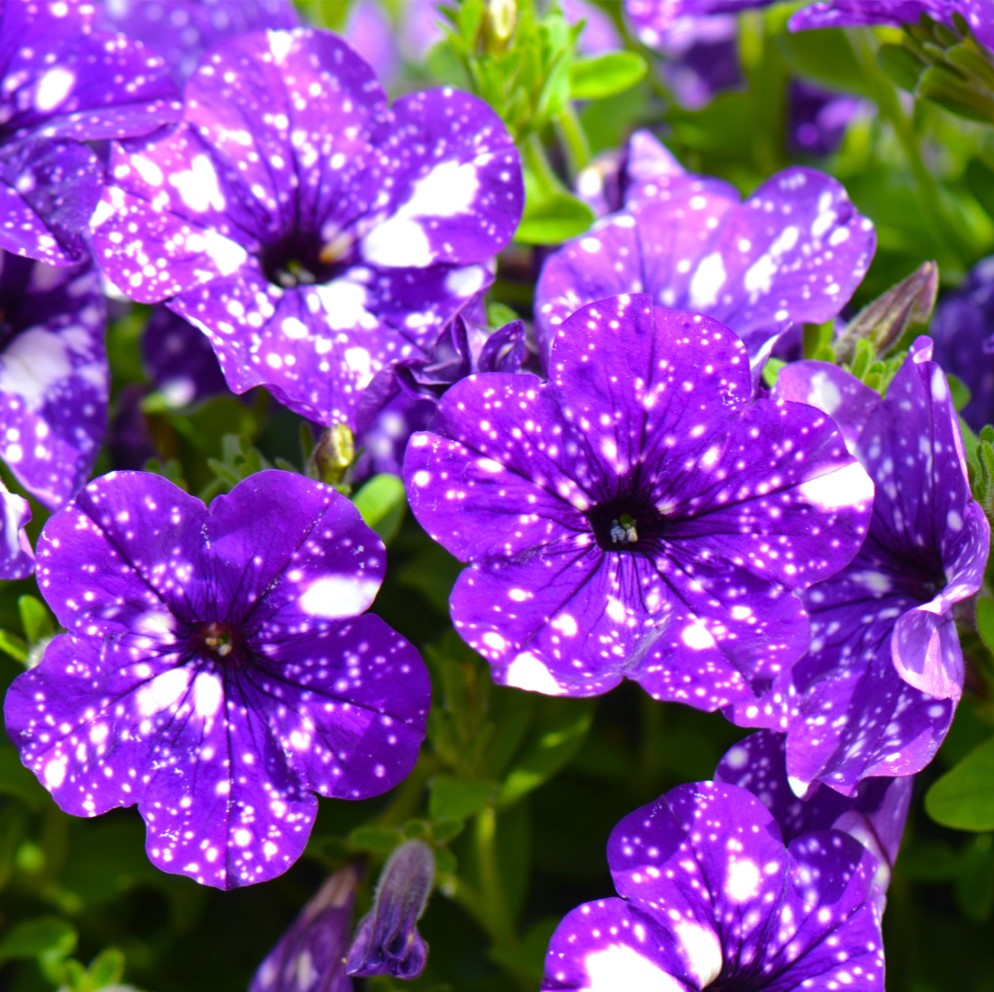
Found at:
(333, 454)
(387, 941)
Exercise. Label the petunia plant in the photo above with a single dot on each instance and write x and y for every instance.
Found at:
(444, 440)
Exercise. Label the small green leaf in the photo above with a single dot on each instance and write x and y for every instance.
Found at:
(553, 218)
(605, 75)
(964, 797)
(35, 619)
(901, 65)
(558, 732)
(14, 646)
(382, 503)
(458, 798)
(107, 968)
(48, 935)
(379, 840)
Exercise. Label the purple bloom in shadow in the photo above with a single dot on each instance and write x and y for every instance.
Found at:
(181, 31)
(639, 515)
(310, 956)
(313, 233)
(180, 360)
(54, 380)
(875, 814)
(793, 252)
(876, 692)
(860, 13)
(710, 897)
(63, 83)
(818, 118)
(216, 669)
(961, 330)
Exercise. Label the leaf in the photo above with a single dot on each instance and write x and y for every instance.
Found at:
(557, 733)
(826, 58)
(379, 840)
(35, 619)
(553, 218)
(459, 798)
(964, 797)
(985, 623)
(605, 75)
(48, 935)
(106, 969)
(14, 646)
(382, 502)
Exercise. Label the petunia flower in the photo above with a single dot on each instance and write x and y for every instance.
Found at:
(216, 670)
(860, 13)
(54, 379)
(313, 233)
(793, 252)
(961, 331)
(17, 558)
(181, 31)
(709, 897)
(180, 360)
(310, 956)
(875, 814)
(638, 515)
(876, 693)
(62, 82)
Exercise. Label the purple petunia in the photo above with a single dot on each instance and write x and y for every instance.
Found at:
(639, 515)
(216, 670)
(876, 692)
(859, 13)
(875, 814)
(793, 252)
(313, 233)
(961, 330)
(17, 559)
(709, 897)
(54, 379)
(63, 83)
(181, 31)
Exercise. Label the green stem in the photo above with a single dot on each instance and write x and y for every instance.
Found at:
(574, 140)
(499, 922)
(886, 98)
(537, 163)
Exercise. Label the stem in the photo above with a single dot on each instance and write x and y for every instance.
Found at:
(574, 140)
(536, 162)
(929, 194)
(499, 922)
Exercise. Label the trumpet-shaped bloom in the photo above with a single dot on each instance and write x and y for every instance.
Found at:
(313, 233)
(216, 670)
(793, 252)
(639, 515)
(876, 692)
(709, 897)
(62, 83)
(54, 379)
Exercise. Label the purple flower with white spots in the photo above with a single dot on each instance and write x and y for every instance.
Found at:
(793, 252)
(181, 31)
(860, 13)
(876, 693)
(875, 814)
(639, 515)
(54, 380)
(310, 956)
(313, 233)
(818, 118)
(62, 83)
(216, 669)
(17, 559)
(180, 360)
(961, 330)
(710, 897)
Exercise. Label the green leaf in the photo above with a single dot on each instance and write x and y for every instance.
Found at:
(985, 622)
(605, 75)
(48, 935)
(14, 646)
(553, 218)
(379, 840)
(824, 57)
(964, 797)
(556, 735)
(459, 798)
(901, 65)
(107, 968)
(35, 619)
(382, 503)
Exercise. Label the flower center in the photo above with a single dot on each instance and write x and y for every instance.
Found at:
(220, 642)
(626, 524)
(305, 259)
